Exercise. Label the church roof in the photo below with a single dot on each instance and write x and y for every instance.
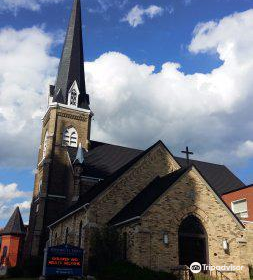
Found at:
(115, 162)
(147, 196)
(71, 67)
(139, 204)
(103, 160)
(109, 162)
(220, 178)
(240, 189)
(15, 224)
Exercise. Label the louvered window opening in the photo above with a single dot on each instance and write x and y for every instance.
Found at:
(70, 137)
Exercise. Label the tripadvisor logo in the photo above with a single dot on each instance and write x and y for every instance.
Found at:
(195, 267)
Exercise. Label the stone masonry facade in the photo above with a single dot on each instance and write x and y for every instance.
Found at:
(145, 245)
(145, 242)
(51, 191)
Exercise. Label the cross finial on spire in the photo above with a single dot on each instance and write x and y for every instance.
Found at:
(188, 153)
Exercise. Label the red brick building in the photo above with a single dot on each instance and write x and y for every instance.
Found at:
(241, 202)
(12, 240)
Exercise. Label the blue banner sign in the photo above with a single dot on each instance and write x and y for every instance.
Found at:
(64, 260)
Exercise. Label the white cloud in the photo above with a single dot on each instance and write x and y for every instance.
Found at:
(15, 5)
(9, 194)
(134, 105)
(210, 112)
(245, 150)
(137, 14)
(26, 70)
(187, 2)
(6, 211)
(102, 6)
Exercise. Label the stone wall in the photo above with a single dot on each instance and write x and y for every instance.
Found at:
(54, 173)
(157, 161)
(190, 195)
(249, 251)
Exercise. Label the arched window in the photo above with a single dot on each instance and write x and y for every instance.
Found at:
(73, 98)
(40, 187)
(80, 233)
(70, 137)
(5, 249)
(66, 235)
(45, 145)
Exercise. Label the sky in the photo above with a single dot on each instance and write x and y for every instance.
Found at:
(175, 70)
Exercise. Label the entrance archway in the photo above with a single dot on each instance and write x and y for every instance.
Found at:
(192, 240)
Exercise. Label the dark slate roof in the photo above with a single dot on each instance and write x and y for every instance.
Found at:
(15, 224)
(71, 67)
(104, 159)
(219, 177)
(239, 189)
(109, 162)
(102, 185)
(147, 197)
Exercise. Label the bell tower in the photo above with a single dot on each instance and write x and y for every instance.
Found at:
(65, 125)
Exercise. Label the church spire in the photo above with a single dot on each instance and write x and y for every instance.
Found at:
(71, 69)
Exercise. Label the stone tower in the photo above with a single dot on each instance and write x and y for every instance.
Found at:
(66, 124)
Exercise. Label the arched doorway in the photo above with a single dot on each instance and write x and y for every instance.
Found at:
(192, 239)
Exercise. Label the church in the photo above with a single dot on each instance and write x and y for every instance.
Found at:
(170, 210)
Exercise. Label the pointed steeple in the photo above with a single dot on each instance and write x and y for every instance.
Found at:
(71, 67)
(15, 224)
(79, 155)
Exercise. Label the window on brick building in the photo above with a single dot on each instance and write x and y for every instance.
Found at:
(37, 208)
(40, 187)
(45, 145)
(70, 137)
(240, 208)
(5, 249)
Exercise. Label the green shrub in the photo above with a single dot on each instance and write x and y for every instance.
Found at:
(126, 271)
(251, 271)
(33, 267)
(15, 272)
(106, 248)
(201, 276)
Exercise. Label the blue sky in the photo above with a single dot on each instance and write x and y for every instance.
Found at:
(163, 37)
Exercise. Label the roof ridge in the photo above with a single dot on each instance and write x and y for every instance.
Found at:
(200, 161)
(102, 185)
(117, 145)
